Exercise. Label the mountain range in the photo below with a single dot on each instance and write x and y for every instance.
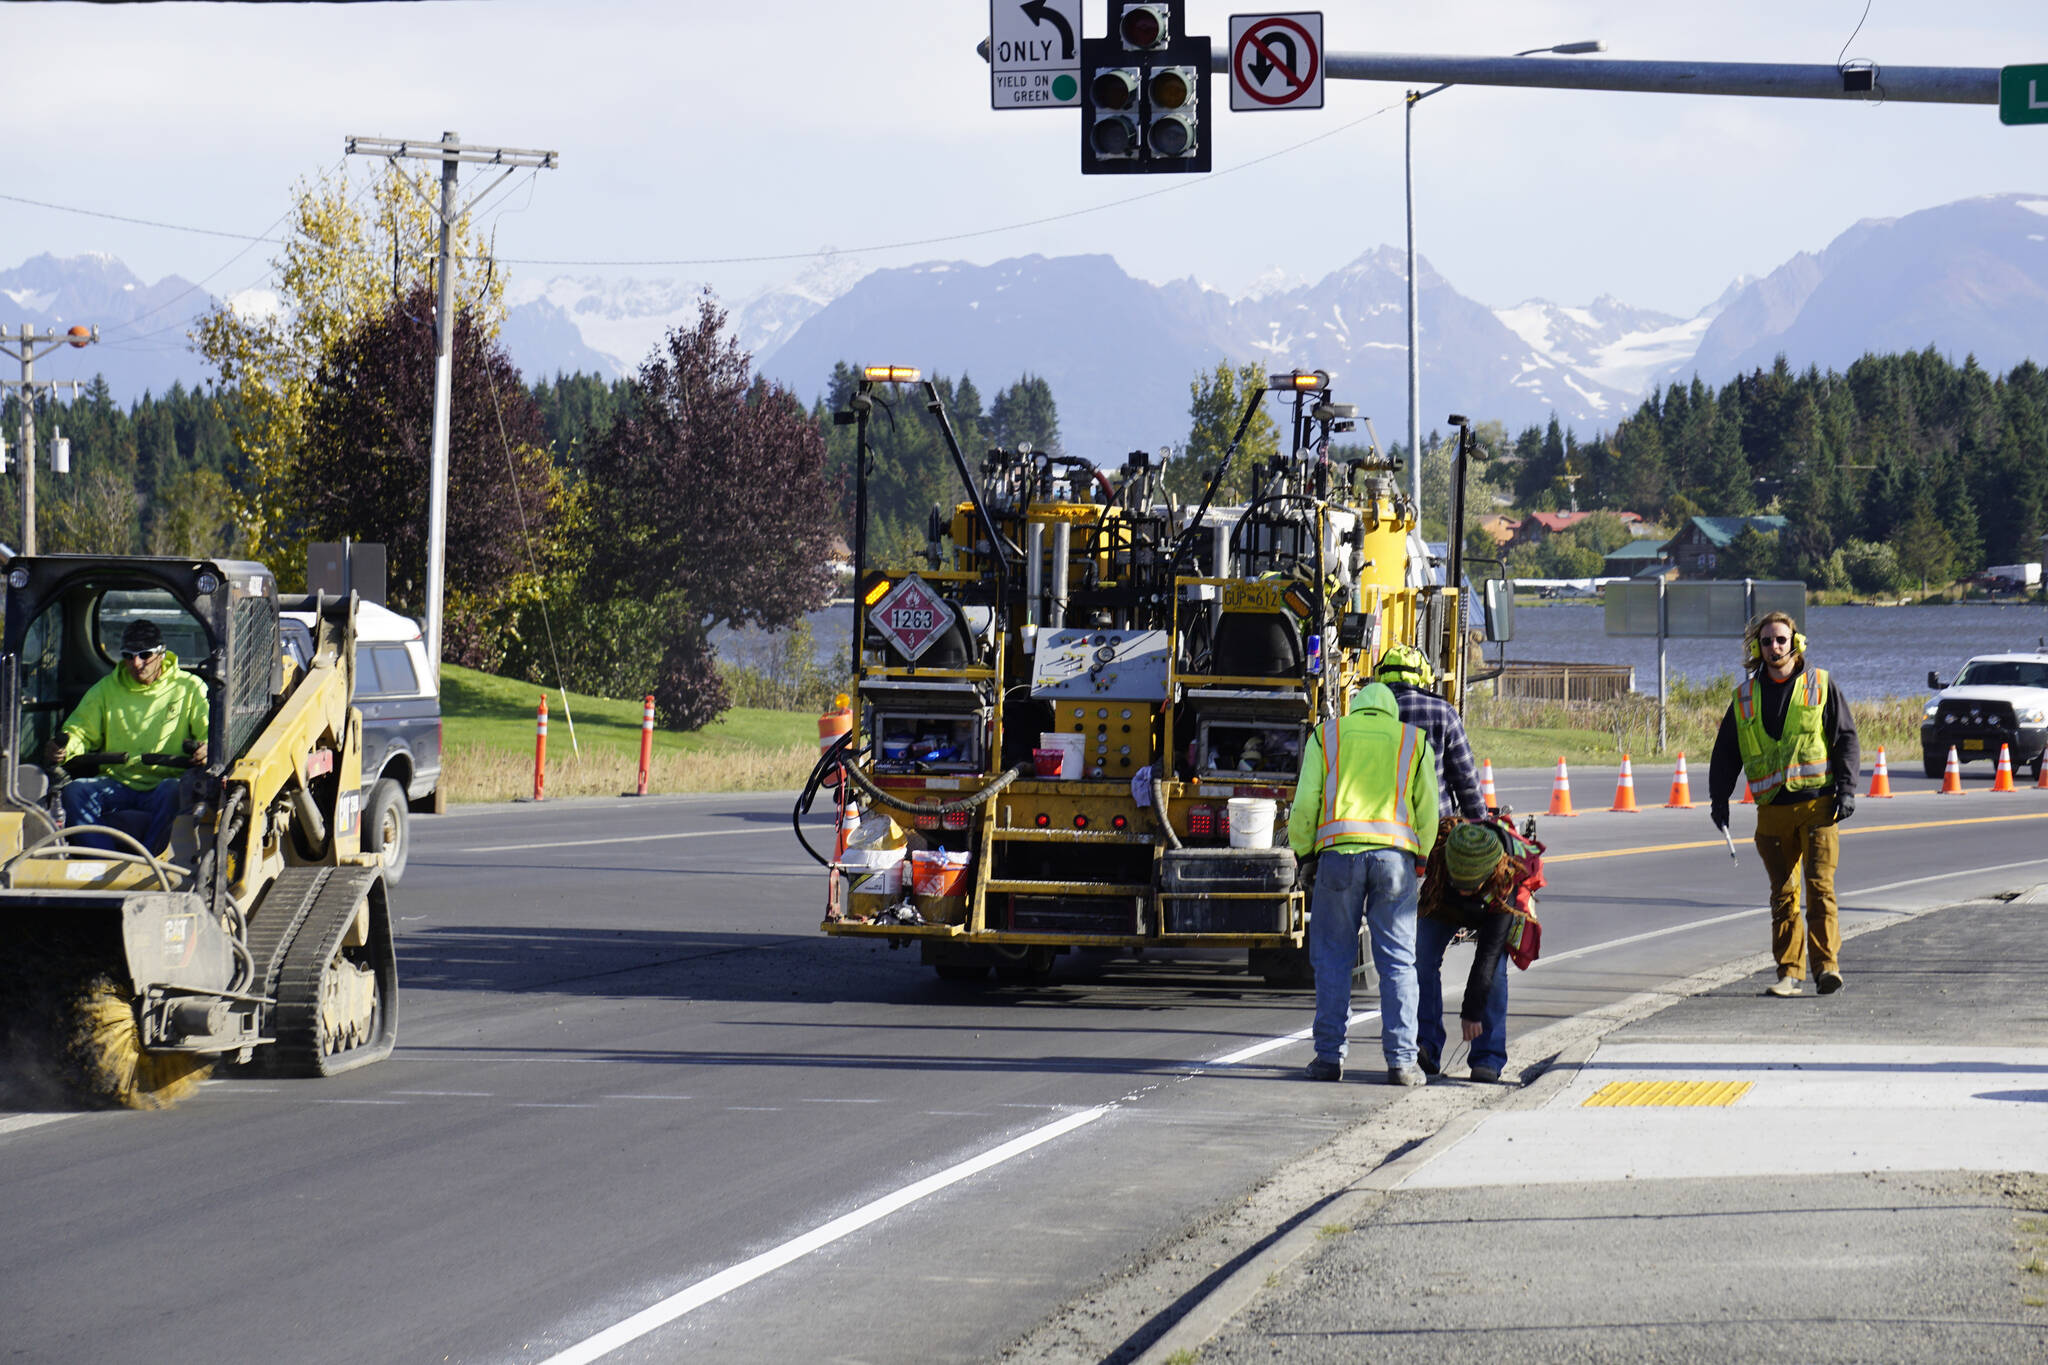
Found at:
(1969, 277)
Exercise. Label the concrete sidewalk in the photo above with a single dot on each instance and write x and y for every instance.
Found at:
(1857, 1177)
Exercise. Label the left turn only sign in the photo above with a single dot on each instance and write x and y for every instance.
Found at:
(1034, 54)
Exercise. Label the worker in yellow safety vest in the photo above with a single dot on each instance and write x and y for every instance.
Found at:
(1790, 732)
(1365, 809)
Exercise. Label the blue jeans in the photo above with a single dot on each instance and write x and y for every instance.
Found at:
(1433, 935)
(1379, 884)
(90, 800)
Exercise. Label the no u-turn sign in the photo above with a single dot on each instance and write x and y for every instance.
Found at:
(1276, 61)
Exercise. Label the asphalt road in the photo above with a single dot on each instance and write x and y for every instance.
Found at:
(631, 1074)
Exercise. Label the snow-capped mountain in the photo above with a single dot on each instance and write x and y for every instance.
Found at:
(144, 328)
(1622, 347)
(1968, 278)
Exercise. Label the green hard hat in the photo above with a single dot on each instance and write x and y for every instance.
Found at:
(1405, 664)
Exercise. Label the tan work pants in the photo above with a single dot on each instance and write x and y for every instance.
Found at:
(1792, 838)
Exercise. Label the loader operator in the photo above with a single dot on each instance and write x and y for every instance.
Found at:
(1366, 807)
(147, 705)
(1790, 732)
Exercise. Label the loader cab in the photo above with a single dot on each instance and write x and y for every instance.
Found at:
(65, 616)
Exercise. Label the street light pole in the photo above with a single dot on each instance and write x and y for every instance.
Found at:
(1416, 97)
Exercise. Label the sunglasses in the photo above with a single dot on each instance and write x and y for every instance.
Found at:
(144, 654)
(1777, 639)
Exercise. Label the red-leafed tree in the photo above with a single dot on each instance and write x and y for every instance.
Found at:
(710, 493)
(365, 469)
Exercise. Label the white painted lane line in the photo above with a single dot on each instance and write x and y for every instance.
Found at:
(620, 839)
(644, 1097)
(548, 1104)
(1765, 910)
(449, 1094)
(1275, 1044)
(21, 1123)
(747, 1271)
(811, 1101)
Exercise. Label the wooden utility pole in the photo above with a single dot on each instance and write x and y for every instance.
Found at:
(25, 348)
(450, 152)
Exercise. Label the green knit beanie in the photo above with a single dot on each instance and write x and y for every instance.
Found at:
(1471, 854)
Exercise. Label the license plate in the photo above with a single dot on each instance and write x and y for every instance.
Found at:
(1973, 744)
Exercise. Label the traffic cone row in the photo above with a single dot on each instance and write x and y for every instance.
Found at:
(2003, 781)
(1681, 787)
(1561, 791)
(1880, 777)
(1952, 776)
(1487, 795)
(1625, 789)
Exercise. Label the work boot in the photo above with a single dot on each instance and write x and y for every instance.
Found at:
(1324, 1069)
(1784, 986)
(1830, 982)
(1406, 1075)
(1484, 1073)
(1427, 1060)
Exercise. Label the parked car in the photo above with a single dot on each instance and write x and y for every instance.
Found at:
(1998, 699)
(401, 724)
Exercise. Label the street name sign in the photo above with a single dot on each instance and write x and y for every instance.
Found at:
(911, 617)
(1034, 54)
(2023, 94)
(1276, 61)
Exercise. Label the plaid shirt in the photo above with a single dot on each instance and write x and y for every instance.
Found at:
(1457, 777)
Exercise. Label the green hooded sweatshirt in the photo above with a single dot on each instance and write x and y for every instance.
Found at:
(120, 714)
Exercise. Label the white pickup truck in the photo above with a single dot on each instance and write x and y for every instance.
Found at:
(1998, 699)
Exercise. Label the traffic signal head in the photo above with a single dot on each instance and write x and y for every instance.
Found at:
(1143, 88)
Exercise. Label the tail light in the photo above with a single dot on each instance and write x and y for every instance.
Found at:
(927, 822)
(1202, 822)
(956, 819)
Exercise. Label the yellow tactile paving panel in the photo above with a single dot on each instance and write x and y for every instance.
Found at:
(1667, 1094)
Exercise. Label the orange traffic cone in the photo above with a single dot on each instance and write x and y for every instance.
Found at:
(1561, 791)
(1747, 799)
(1952, 776)
(2041, 778)
(1880, 778)
(2003, 781)
(1681, 787)
(1487, 795)
(1625, 789)
(849, 821)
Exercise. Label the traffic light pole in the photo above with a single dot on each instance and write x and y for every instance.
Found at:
(1757, 80)
(25, 348)
(450, 151)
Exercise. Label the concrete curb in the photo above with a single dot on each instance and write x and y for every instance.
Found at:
(1550, 1058)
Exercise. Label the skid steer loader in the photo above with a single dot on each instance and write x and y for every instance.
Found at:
(261, 935)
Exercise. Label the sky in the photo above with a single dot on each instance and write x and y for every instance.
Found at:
(697, 139)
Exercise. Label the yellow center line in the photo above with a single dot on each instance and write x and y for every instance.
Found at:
(1549, 858)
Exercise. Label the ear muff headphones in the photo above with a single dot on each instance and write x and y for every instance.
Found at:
(1753, 650)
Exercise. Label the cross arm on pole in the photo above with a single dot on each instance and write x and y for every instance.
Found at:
(417, 150)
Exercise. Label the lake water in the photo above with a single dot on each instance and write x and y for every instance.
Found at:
(1876, 651)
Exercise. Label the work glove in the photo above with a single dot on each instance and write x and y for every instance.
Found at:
(1845, 805)
(1720, 814)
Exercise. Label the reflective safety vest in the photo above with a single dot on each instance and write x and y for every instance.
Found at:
(1375, 813)
(1797, 760)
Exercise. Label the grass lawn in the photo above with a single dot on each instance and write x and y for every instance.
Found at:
(488, 732)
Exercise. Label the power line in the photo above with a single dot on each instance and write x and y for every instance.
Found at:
(139, 222)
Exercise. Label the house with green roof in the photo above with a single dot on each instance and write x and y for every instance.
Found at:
(1638, 558)
(1697, 549)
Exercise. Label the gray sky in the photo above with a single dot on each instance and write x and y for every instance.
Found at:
(693, 130)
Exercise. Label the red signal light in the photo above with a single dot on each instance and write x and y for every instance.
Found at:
(1043, 821)
(1080, 822)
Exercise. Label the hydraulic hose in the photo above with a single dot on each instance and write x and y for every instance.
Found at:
(971, 801)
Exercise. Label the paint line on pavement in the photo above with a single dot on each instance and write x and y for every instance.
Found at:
(1246, 1054)
(1860, 829)
(1764, 910)
(21, 1123)
(619, 839)
(747, 1271)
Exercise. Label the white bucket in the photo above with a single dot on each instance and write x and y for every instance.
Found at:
(1074, 746)
(1251, 821)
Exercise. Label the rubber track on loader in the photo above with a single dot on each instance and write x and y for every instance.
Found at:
(297, 1019)
(277, 920)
